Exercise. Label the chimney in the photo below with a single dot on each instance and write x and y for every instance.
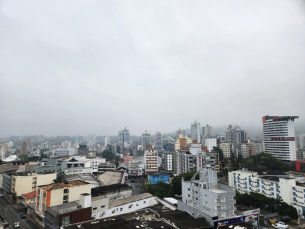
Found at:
(85, 200)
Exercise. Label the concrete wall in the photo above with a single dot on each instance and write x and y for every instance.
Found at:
(44, 179)
(99, 205)
(127, 208)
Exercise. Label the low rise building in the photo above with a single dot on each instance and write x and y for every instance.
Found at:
(68, 213)
(77, 171)
(89, 178)
(59, 193)
(111, 177)
(103, 167)
(135, 168)
(127, 205)
(28, 198)
(82, 161)
(63, 152)
(291, 190)
(27, 182)
(155, 178)
(181, 141)
(127, 159)
(51, 165)
(113, 192)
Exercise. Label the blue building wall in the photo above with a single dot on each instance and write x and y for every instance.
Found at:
(153, 179)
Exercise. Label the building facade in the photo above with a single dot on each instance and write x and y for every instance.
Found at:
(207, 131)
(226, 149)
(135, 168)
(207, 198)
(123, 140)
(181, 141)
(279, 137)
(158, 142)
(146, 140)
(151, 161)
(236, 135)
(291, 191)
(210, 142)
(169, 162)
(196, 131)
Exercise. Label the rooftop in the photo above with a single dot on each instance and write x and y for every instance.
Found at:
(30, 195)
(62, 207)
(272, 173)
(127, 221)
(62, 185)
(271, 178)
(104, 189)
(130, 199)
(111, 177)
(89, 178)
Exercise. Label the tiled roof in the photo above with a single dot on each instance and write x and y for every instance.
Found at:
(62, 185)
(30, 195)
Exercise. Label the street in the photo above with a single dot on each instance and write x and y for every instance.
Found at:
(11, 215)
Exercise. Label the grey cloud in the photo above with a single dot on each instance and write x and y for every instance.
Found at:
(78, 67)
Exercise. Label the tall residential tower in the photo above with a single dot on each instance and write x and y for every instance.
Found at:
(279, 137)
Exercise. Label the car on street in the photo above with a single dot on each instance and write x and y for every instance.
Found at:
(280, 225)
(22, 216)
(1, 195)
(5, 224)
(16, 225)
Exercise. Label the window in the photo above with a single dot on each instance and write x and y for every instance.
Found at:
(102, 206)
(66, 220)
(144, 202)
(113, 211)
(121, 209)
(94, 208)
(66, 190)
(65, 198)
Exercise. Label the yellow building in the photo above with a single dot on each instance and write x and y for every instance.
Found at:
(59, 193)
(225, 147)
(27, 182)
(181, 141)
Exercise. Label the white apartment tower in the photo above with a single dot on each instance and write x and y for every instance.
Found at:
(107, 140)
(151, 161)
(279, 137)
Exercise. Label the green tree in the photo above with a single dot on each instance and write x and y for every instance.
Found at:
(14, 197)
(140, 153)
(160, 189)
(176, 182)
(117, 160)
(220, 152)
(23, 157)
(108, 155)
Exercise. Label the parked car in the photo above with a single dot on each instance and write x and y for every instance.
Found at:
(16, 225)
(1, 195)
(22, 216)
(5, 224)
(280, 225)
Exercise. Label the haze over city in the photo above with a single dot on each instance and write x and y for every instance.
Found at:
(69, 68)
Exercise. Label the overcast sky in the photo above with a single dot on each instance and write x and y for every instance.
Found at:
(78, 67)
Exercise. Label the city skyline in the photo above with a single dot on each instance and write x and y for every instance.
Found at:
(96, 67)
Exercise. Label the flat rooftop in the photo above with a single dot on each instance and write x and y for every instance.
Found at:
(62, 207)
(111, 177)
(104, 189)
(272, 173)
(130, 199)
(216, 190)
(62, 185)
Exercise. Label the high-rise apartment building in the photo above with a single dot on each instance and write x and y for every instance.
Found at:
(196, 131)
(225, 147)
(279, 136)
(169, 162)
(123, 140)
(181, 141)
(236, 135)
(300, 142)
(2, 154)
(210, 142)
(23, 147)
(146, 140)
(29, 146)
(193, 157)
(158, 142)
(107, 140)
(207, 131)
(150, 160)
